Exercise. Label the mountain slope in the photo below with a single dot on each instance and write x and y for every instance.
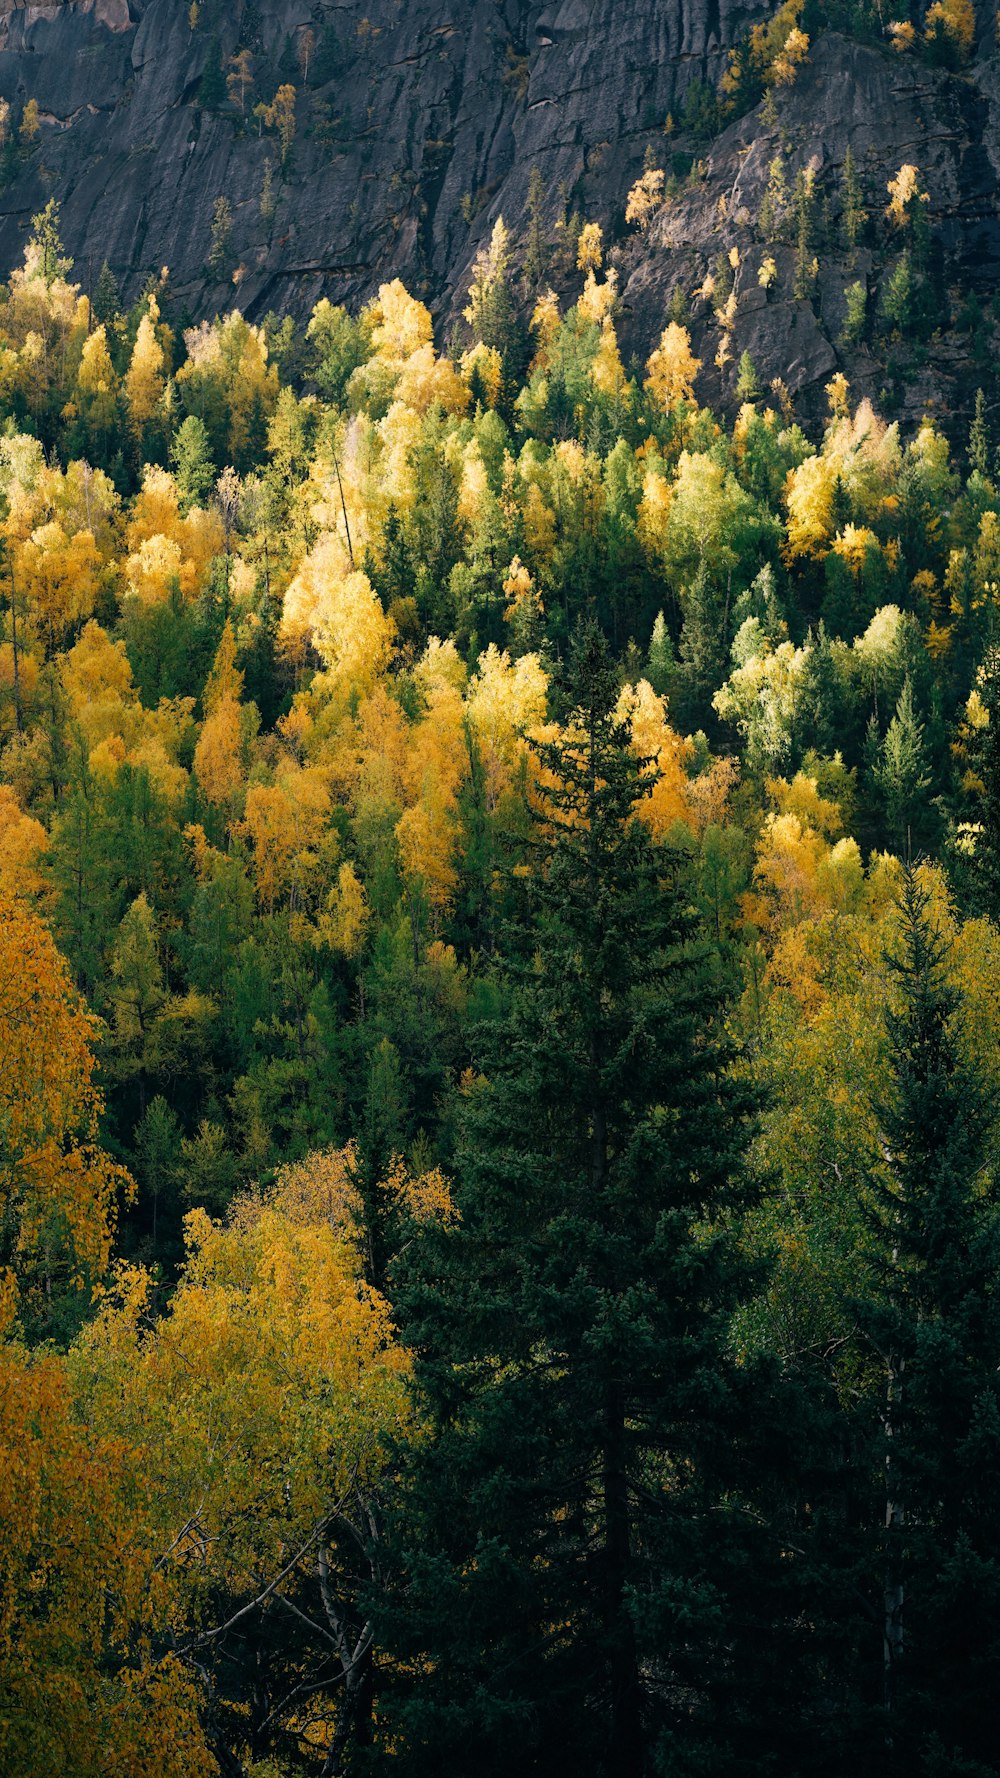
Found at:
(417, 124)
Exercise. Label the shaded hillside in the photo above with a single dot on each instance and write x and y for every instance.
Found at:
(416, 125)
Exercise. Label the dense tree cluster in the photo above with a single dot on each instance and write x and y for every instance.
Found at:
(498, 1047)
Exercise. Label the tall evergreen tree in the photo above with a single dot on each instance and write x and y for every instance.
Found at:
(935, 1327)
(567, 1535)
(901, 773)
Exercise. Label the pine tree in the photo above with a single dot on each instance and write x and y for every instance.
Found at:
(192, 463)
(46, 237)
(212, 86)
(747, 380)
(935, 1329)
(558, 1529)
(536, 246)
(660, 662)
(704, 643)
(854, 215)
(985, 752)
(902, 775)
(979, 439)
(107, 302)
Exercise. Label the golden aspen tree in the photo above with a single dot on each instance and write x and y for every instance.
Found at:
(218, 756)
(589, 247)
(505, 702)
(59, 579)
(57, 1188)
(81, 1604)
(485, 364)
(239, 81)
(429, 381)
(146, 377)
(259, 1409)
(30, 122)
(427, 831)
(23, 844)
(809, 497)
(279, 116)
(97, 679)
(98, 383)
(956, 20)
(338, 609)
(672, 368)
(398, 324)
(597, 300)
(904, 191)
(665, 754)
(285, 823)
(344, 921)
(645, 198)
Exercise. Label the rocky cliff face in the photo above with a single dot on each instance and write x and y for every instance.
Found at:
(419, 121)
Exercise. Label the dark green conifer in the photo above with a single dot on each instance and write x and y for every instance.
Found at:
(566, 1532)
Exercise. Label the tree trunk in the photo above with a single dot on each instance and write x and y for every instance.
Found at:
(625, 1729)
(892, 1642)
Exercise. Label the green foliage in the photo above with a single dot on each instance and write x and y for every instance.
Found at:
(212, 86)
(341, 854)
(571, 1317)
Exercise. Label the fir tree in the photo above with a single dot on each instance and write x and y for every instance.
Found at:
(536, 247)
(212, 86)
(854, 216)
(935, 1327)
(660, 662)
(901, 774)
(979, 439)
(985, 759)
(107, 301)
(192, 463)
(565, 1531)
(747, 380)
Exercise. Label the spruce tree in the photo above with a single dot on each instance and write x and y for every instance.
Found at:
(979, 439)
(107, 302)
(192, 463)
(902, 775)
(565, 1538)
(980, 866)
(934, 1324)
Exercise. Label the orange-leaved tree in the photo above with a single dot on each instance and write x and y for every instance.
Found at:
(257, 1413)
(57, 1186)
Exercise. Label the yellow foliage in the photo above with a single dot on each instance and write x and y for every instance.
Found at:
(146, 377)
(285, 823)
(665, 752)
(52, 1174)
(343, 924)
(398, 324)
(645, 198)
(23, 843)
(902, 35)
(486, 363)
(589, 247)
(957, 19)
(904, 190)
(809, 497)
(58, 576)
(218, 763)
(597, 300)
(672, 368)
(427, 381)
(505, 702)
(336, 606)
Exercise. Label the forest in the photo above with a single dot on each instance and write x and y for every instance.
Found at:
(499, 1021)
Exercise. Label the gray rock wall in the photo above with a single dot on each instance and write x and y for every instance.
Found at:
(420, 122)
